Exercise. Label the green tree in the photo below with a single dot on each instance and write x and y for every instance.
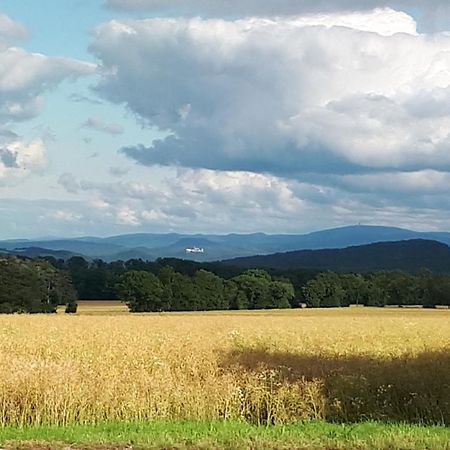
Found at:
(324, 291)
(24, 287)
(282, 293)
(355, 289)
(179, 290)
(442, 289)
(377, 293)
(183, 295)
(236, 298)
(427, 292)
(255, 284)
(210, 291)
(403, 289)
(142, 292)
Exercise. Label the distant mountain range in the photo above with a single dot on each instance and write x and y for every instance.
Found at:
(216, 247)
(411, 255)
(36, 252)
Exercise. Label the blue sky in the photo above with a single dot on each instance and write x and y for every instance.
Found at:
(196, 116)
(55, 27)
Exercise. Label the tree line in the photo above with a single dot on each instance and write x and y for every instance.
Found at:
(256, 289)
(41, 285)
(172, 291)
(34, 286)
(329, 289)
(313, 288)
(97, 279)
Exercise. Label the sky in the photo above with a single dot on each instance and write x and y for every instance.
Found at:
(220, 116)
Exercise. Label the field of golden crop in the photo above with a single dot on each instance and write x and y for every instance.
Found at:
(263, 367)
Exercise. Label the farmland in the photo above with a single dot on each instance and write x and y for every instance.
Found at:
(262, 367)
(202, 380)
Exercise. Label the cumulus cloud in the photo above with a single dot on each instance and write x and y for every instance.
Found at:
(200, 200)
(336, 93)
(19, 158)
(11, 31)
(434, 13)
(192, 196)
(94, 123)
(286, 123)
(25, 76)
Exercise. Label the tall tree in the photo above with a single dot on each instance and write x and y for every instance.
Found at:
(29, 286)
(210, 291)
(142, 292)
(324, 291)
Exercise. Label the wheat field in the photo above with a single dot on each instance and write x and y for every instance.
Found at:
(262, 367)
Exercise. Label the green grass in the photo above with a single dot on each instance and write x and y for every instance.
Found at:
(229, 435)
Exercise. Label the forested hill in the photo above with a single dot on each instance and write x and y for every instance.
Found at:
(409, 255)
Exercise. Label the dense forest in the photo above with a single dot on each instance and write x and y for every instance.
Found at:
(34, 286)
(329, 289)
(173, 291)
(409, 255)
(100, 280)
(97, 280)
(40, 285)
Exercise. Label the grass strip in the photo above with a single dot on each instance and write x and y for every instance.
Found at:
(184, 435)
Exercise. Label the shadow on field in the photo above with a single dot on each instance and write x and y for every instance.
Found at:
(353, 388)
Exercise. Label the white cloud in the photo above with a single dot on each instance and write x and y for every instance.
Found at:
(283, 95)
(385, 22)
(10, 30)
(19, 158)
(199, 200)
(25, 76)
(127, 216)
(209, 198)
